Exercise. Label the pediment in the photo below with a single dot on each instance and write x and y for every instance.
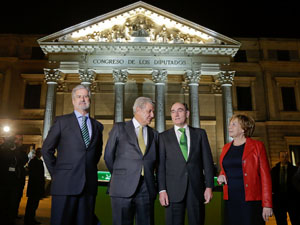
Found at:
(139, 22)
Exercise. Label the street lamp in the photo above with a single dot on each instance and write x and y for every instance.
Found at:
(6, 129)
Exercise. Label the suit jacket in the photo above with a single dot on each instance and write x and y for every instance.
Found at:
(124, 160)
(36, 181)
(291, 189)
(256, 170)
(174, 172)
(75, 166)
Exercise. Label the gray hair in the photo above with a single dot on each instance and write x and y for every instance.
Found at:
(141, 102)
(78, 87)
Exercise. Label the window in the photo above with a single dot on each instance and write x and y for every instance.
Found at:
(288, 99)
(244, 98)
(240, 56)
(295, 154)
(32, 96)
(283, 55)
(37, 53)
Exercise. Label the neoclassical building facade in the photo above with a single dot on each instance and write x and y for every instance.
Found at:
(141, 50)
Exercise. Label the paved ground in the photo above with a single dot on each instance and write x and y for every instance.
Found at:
(43, 212)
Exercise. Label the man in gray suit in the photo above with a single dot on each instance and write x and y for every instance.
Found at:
(77, 140)
(131, 156)
(185, 170)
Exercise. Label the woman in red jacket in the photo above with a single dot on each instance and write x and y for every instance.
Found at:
(245, 172)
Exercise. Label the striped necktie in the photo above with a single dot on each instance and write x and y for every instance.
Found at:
(85, 131)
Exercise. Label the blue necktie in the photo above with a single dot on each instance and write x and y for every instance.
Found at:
(85, 131)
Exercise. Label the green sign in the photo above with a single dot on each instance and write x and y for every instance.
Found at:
(104, 176)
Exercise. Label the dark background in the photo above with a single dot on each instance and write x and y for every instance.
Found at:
(233, 19)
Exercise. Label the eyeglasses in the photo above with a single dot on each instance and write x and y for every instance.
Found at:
(180, 110)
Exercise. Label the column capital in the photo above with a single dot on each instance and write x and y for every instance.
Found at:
(192, 77)
(159, 76)
(52, 75)
(225, 78)
(87, 76)
(120, 76)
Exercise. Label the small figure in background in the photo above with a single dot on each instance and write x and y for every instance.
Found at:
(285, 195)
(35, 188)
(23, 159)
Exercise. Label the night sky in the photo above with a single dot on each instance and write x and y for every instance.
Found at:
(230, 19)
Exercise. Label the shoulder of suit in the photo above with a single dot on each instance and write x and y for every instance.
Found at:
(166, 132)
(64, 116)
(96, 121)
(196, 129)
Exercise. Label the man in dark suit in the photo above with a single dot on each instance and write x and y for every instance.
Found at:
(71, 152)
(285, 195)
(21, 170)
(35, 187)
(185, 170)
(130, 156)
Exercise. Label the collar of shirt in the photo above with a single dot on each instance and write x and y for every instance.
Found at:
(79, 115)
(88, 121)
(137, 125)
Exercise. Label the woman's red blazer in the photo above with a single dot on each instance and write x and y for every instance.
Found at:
(256, 170)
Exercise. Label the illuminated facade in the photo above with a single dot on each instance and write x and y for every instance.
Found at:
(141, 50)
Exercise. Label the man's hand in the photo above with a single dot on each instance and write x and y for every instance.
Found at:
(163, 198)
(208, 195)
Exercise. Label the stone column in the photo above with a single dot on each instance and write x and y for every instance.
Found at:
(87, 76)
(159, 77)
(51, 77)
(225, 78)
(193, 78)
(120, 78)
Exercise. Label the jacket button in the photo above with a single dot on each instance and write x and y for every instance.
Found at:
(246, 185)
(245, 174)
(244, 161)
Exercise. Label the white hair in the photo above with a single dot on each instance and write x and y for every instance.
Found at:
(141, 102)
(78, 87)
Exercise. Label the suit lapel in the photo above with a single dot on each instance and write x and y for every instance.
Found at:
(149, 139)
(174, 142)
(93, 130)
(129, 127)
(77, 131)
(193, 140)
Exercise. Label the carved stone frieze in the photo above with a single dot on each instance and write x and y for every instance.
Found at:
(140, 48)
(139, 28)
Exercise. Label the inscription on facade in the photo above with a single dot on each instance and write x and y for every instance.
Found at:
(108, 61)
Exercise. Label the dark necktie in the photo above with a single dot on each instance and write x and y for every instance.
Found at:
(183, 143)
(85, 131)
